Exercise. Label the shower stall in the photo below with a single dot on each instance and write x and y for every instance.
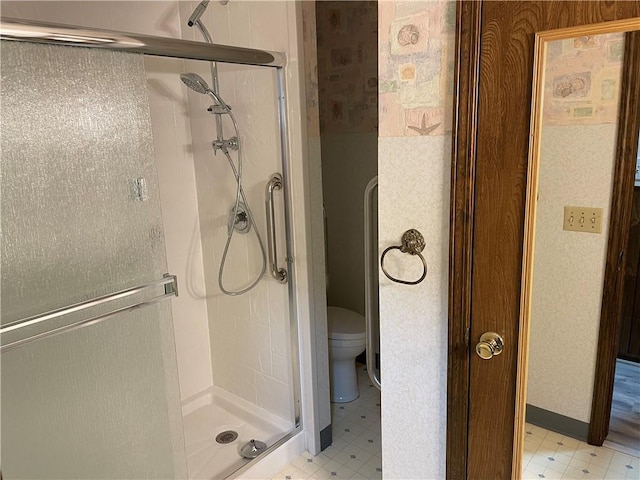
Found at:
(97, 379)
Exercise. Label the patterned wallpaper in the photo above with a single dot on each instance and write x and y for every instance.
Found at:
(347, 66)
(582, 80)
(310, 67)
(407, 83)
(416, 67)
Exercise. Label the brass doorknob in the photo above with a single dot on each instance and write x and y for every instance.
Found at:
(490, 344)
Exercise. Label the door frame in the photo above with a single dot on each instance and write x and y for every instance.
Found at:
(464, 143)
(620, 222)
(465, 117)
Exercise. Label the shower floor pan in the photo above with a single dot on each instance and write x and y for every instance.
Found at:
(215, 411)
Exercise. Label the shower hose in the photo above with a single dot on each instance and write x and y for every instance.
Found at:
(195, 20)
(237, 173)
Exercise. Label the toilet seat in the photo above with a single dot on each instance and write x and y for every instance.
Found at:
(345, 325)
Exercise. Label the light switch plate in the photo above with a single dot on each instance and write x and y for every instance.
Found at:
(583, 219)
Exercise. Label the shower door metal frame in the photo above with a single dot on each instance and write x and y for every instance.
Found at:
(74, 36)
(12, 29)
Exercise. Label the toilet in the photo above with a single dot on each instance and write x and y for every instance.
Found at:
(346, 342)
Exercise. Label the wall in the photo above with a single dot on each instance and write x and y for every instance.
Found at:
(349, 161)
(348, 101)
(582, 80)
(174, 162)
(576, 168)
(414, 152)
(347, 66)
(316, 228)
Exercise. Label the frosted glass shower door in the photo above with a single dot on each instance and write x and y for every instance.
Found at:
(81, 219)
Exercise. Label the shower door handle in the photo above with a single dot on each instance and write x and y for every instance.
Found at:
(274, 183)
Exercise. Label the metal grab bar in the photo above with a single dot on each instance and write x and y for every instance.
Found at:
(274, 183)
(368, 283)
(170, 283)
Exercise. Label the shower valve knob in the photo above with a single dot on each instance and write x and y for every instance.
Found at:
(230, 144)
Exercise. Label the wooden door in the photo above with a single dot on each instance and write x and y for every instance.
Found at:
(494, 70)
(629, 338)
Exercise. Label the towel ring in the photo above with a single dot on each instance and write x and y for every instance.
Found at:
(413, 244)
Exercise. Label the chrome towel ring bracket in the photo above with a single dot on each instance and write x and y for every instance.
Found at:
(413, 244)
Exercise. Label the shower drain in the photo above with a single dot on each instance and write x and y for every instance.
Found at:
(227, 436)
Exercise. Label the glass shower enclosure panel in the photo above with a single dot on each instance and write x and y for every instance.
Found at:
(81, 219)
(252, 336)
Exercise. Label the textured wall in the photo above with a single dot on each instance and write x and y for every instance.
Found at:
(413, 319)
(310, 50)
(414, 173)
(576, 168)
(347, 66)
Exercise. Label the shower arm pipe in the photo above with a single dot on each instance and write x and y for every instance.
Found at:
(68, 35)
(369, 307)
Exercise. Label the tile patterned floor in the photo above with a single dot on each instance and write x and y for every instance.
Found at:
(554, 456)
(355, 452)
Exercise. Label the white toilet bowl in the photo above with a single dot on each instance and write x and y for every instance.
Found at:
(346, 342)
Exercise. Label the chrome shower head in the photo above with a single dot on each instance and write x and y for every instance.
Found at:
(195, 82)
(198, 84)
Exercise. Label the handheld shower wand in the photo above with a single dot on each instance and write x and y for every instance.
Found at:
(241, 212)
(198, 84)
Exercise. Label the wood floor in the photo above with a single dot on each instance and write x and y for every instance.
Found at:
(624, 429)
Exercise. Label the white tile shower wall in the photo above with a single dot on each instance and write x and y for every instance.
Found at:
(173, 159)
(414, 193)
(250, 341)
(181, 223)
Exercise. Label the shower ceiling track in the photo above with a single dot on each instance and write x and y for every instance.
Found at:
(69, 35)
